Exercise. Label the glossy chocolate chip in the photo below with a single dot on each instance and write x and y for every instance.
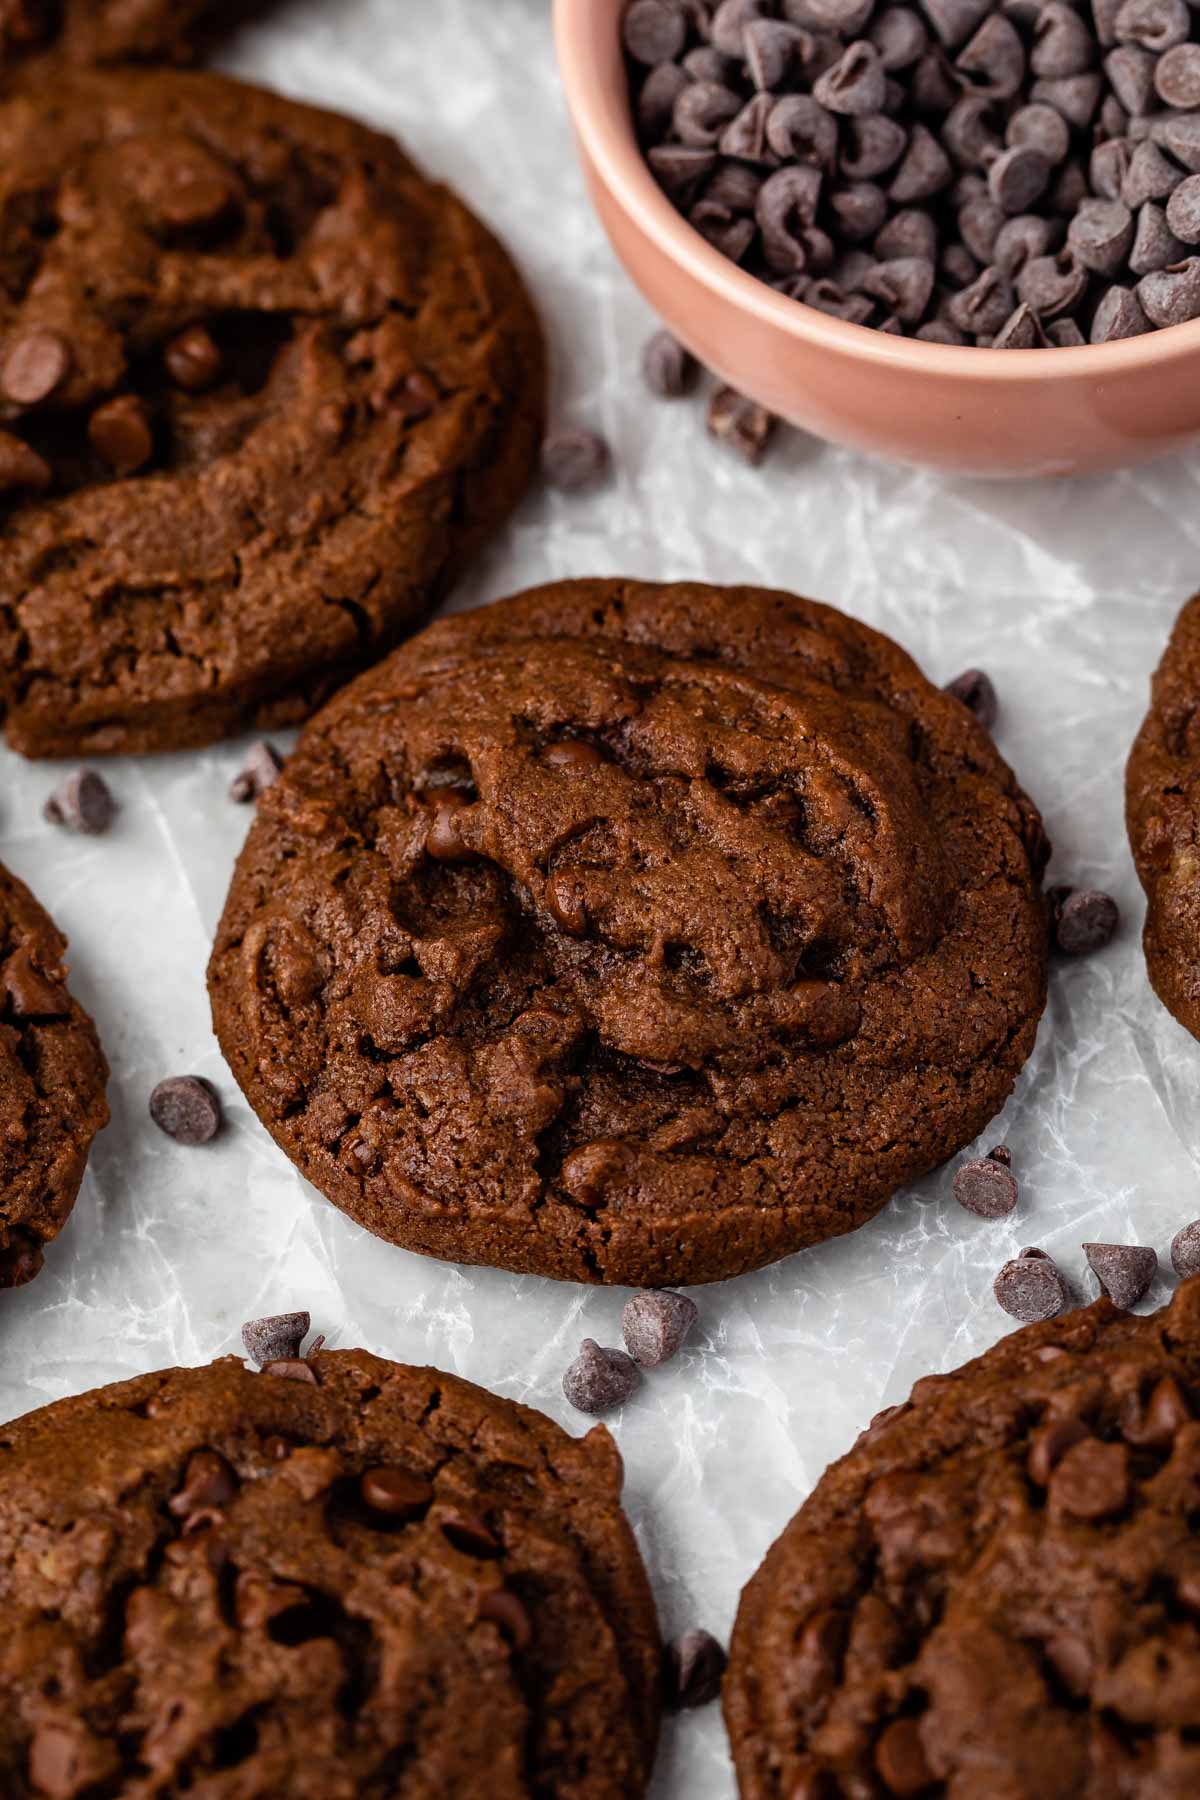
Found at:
(395, 1493)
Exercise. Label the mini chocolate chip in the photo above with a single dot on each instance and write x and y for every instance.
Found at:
(119, 431)
(667, 367)
(1091, 1480)
(600, 1379)
(35, 365)
(1084, 920)
(1183, 210)
(741, 423)
(986, 1188)
(1131, 74)
(277, 1338)
(994, 59)
(1124, 1271)
(1185, 1250)
(800, 127)
(1030, 1288)
(873, 145)
(193, 360)
(502, 1609)
(657, 96)
(1157, 25)
(82, 802)
(693, 1664)
(1076, 97)
(905, 285)
(1022, 239)
(1150, 175)
(574, 458)
(1062, 43)
(984, 306)
(472, 1535)
(680, 169)
(1017, 178)
(259, 771)
(899, 35)
(909, 232)
(1052, 284)
(291, 1368)
(1177, 76)
(186, 1108)
(396, 1493)
(900, 1759)
(924, 169)
(1155, 245)
(654, 1325)
(1118, 315)
(1039, 127)
(653, 31)
(855, 84)
(208, 1481)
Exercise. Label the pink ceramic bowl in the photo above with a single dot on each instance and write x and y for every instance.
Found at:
(980, 412)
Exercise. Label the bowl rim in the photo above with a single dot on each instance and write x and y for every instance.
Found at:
(603, 121)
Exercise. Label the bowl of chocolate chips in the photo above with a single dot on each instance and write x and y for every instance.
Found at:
(961, 233)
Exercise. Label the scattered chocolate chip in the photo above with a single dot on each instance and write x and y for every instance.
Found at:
(667, 367)
(82, 802)
(693, 1664)
(574, 458)
(186, 1108)
(193, 360)
(1185, 1250)
(986, 1187)
(1124, 1271)
(654, 1325)
(1030, 1288)
(396, 1493)
(259, 771)
(1083, 920)
(276, 1338)
(741, 423)
(600, 1379)
(977, 694)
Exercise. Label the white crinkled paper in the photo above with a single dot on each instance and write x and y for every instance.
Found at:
(1064, 592)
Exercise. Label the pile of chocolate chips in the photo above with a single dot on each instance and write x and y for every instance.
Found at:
(1013, 173)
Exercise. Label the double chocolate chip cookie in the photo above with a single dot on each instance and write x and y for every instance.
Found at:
(263, 388)
(52, 1081)
(997, 1592)
(633, 933)
(1162, 809)
(360, 1581)
(40, 37)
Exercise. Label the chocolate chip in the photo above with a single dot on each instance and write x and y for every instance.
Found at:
(1114, 120)
(186, 1108)
(1022, 240)
(741, 423)
(957, 267)
(1150, 176)
(1109, 166)
(21, 466)
(955, 20)
(276, 1338)
(1050, 1445)
(909, 232)
(986, 1188)
(1100, 235)
(786, 206)
(35, 365)
(1156, 25)
(1183, 210)
(1177, 76)
(82, 802)
(472, 1535)
(924, 169)
(119, 431)
(905, 285)
(702, 111)
(731, 236)
(1052, 284)
(502, 1609)
(984, 306)
(730, 20)
(1030, 1288)
(693, 1664)
(1084, 920)
(259, 771)
(855, 85)
(1064, 334)
(1118, 315)
(935, 86)
(735, 186)
(799, 126)
(680, 169)
(1124, 1271)
(873, 145)
(653, 31)
(1017, 177)
(1185, 1250)
(899, 35)
(600, 1379)
(1062, 43)
(968, 132)
(1155, 245)
(1131, 74)
(978, 695)
(193, 360)
(1154, 1426)
(1076, 97)
(657, 96)
(1091, 1481)
(859, 209)
(994, 59)
(979, 225)
(208, 1481)
(1179, 135)
(900, 1759)
(769, 46)
(395, 1493)
(667, 367)
(654, 1325)
(574, 459)
(291, 1368)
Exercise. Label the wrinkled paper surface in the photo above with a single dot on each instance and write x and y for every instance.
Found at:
(1065, 593)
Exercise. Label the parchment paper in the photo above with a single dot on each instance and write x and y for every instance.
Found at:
(1064, 592)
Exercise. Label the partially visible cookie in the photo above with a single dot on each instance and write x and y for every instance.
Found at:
(1162, 812)
(362, 1580)
(633, 933)
(38, 38)
(264, 388)
(997, 1592)
(52, 1081)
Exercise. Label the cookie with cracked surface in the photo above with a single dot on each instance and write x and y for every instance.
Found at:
(1162, 814)
(381, 1581)
(633, 933)
(263, 388)
(997, 1592)
(52, 1081)
(39, 37)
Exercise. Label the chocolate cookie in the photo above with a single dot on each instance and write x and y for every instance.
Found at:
(37, 37)
(52, 1080)
(1162, 812)
(365, 1581)
(996, 1594)
(634, 934)
(263, 389)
